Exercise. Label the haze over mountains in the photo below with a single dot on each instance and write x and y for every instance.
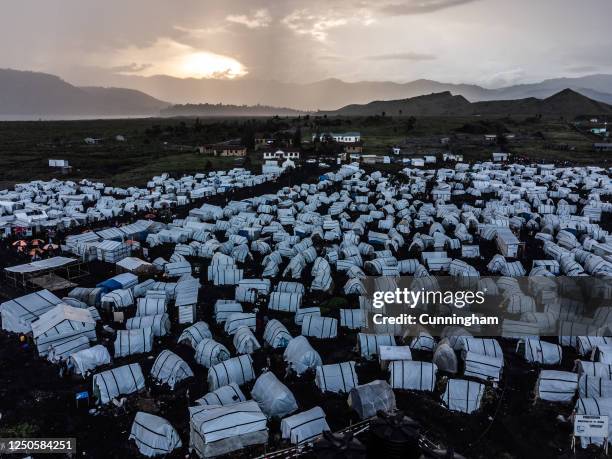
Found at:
(567, 103)
(332, 94)
(40, 94)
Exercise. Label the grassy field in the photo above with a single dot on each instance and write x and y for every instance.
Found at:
(154, 146)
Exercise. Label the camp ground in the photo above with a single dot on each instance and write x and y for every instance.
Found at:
(234, 324)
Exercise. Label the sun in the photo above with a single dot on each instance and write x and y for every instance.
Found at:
(210, 65)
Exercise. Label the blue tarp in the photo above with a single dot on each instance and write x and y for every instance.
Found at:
(109, 285)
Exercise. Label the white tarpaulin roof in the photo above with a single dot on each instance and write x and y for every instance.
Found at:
(221, 430)
(41, 265)
(19, 313)
(304, 426)
(153, 435)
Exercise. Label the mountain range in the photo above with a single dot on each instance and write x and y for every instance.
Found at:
(567, 103)
(40, 94)
(331, 94)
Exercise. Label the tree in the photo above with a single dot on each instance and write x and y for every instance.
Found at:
(297, 137)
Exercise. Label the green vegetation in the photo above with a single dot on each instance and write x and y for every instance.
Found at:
(153, 146)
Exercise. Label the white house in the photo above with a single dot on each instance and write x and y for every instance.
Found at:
(500, 157)
(340, 137)
(281, 154)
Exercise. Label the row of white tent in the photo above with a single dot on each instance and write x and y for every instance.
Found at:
(59, 203)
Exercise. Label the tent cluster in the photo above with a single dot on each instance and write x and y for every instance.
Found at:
(65, 204)
(314, 242)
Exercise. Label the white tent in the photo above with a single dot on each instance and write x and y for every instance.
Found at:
(118, 381)
(224, 395)
(274, 398)
(215, 431)
(593, 386)
(482, 367)
(195, 333)
(63, 349)
(538, 351)
(237, 369)
(301, 313)
(556, 386)
(245, 341)
(336, 377)
(463, 395)
(595, 407)
(240, 319)
(352, 318)
(149, 306)
(284, 301)
(170, 369)
(304, 426)
(368, 399)
(209, 353)
(276, 334)
(301, 356)
(118, 299)
(320, 327)
(82, 362)
(160, 323)
(369, 344)
(413, 375)
(154, 436)
(134, 341)
(225, 308)
(60, 324)
(19, 313)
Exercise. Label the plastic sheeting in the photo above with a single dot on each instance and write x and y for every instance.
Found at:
(556, 386)
(412, 375)
(276, 334)
(221, 430)
(118, 381)
(301, 356)
(370, 398)
(245, 341)
(154, 436)
(224, 395)
(320, 327)
(274, 398)
(86, 360)
(463, 395)
(304, 426)
(336, 377)
(209, 352)
(135, 341)
(170, 369)
(159, 323)
(195, 333)
(238, 370)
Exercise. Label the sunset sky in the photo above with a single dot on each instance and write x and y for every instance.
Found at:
(487, 42)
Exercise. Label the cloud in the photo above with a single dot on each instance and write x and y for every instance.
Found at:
(407, 56)
(410, 7)
(261, 18)
(132, 68)
(303, 22)
(170, 57)
(584, 69)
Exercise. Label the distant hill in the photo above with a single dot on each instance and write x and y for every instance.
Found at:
(227, 110)
(34, 94)
(332, 93)
(567, 103)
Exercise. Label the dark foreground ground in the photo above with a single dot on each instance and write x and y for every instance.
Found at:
(36, 402)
